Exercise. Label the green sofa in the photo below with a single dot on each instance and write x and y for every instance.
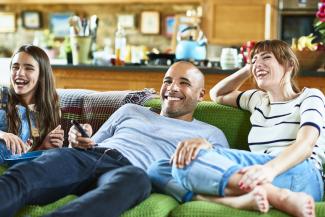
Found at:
(95, 107)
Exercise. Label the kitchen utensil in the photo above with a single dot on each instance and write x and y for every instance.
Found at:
(85, 27)
(80, 46)
(191, 44)
(74, 22)
(161, 58)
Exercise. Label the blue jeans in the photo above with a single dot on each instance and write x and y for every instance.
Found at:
(209, 174)
(106, 182)
(4, 152)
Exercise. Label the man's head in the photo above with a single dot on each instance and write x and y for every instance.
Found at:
(182, 89)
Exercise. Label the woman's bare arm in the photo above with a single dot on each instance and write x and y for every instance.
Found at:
(226, 91)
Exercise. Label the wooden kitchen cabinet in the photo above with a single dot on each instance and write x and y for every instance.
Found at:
(235, 22)
(107, 79)
(94, 1)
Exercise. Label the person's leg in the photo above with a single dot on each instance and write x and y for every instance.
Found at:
(118, 190)
(4, 152)
(55, 174)
(209, 173)
(294, 203)
(163, 181)
(254, 200)
(310, 182)
(304, 177)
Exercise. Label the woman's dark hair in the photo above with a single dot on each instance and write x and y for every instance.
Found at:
(284, 55)
(46, 98)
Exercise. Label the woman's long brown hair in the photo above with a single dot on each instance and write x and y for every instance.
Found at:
(46, 98)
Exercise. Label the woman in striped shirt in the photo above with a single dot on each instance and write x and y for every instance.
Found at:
(287, 139)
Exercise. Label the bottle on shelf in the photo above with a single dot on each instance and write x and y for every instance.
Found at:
(120, 45)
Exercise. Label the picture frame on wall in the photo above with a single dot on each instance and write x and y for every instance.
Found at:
(31, 19)
(150, 22)
(7, 22)
(126, 20)
(59, 24)
(169, 25)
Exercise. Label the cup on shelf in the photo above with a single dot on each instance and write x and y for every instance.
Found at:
(228, 58)
(80, 46)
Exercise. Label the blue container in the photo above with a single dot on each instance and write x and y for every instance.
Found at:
(187, 50)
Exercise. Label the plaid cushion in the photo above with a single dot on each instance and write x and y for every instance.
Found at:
(71, 103)
(87, 106)
(140, 97)
(98, 107)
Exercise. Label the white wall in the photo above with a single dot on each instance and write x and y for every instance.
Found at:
(4, 71)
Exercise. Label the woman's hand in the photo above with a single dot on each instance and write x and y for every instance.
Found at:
(187, 151)
(13, 143)
(255, 175)
(54, 139)
(77, 141)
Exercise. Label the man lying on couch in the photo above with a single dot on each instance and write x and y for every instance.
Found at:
(106, 170)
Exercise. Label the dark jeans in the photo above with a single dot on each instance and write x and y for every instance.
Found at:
(106, 182)
(4, 152)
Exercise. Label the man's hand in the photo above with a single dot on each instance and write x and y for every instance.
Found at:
(77, 141)
(54, 139)
(187, 151)
(13, 143)
(255, 175)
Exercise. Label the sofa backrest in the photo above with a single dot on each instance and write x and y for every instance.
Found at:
(93, 107)
(232, 121)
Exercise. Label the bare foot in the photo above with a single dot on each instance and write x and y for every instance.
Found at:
(297, 204)
(254, 200)
(260, 197)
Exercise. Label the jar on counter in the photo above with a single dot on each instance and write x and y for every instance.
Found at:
(228, 58)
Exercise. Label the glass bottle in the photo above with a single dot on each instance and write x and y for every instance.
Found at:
(120, 45)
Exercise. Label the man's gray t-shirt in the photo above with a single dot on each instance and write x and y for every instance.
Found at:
(143, 136)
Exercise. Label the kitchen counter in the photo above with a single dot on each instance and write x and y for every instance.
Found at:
(152, 68)
(134, 68)
(105, 78)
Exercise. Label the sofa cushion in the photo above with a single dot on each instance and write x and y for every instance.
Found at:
(71, 103)
(207, 209)
(98, 107)
(36, 210)
(157, 205)
(222, 117)
(93, 107)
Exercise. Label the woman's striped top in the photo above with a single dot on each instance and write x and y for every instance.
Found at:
(275, 124)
